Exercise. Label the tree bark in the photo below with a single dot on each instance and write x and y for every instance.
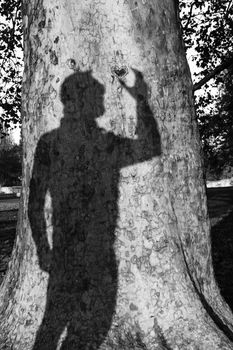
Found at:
(113, 241)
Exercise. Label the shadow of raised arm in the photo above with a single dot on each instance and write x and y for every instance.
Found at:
(148, 143)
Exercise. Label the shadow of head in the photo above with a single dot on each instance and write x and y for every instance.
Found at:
(82, 95)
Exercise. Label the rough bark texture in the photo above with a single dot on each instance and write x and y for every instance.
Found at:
(113, 247)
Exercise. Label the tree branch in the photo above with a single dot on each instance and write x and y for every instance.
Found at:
(190, 16)
(213, 73)
(228, 9)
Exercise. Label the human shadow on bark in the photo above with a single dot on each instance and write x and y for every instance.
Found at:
(79, 164)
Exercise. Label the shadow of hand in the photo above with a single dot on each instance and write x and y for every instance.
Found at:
(139, 90)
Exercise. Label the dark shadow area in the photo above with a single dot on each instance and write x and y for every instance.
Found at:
(8, 220)
(220, 200)
(9, 204)
(10, 164)
(79, 165)
(222, 250)
(220, 203)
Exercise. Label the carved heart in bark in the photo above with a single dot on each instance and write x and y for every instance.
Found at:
(120, 72)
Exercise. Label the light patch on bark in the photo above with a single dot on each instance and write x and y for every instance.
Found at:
(48, 213)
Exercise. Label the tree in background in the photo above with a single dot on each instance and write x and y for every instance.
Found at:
(10, 64)
(208, 29)
(225, 112)
(10, 163)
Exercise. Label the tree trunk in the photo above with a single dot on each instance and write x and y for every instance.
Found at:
(113, 242)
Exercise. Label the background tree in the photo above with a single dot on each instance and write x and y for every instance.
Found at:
(10, 163)
(208, 30)
(10, 64)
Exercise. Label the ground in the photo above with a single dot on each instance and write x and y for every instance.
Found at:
(220, 203)
(8, 217)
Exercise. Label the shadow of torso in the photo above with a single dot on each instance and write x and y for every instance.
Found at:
(83, 185)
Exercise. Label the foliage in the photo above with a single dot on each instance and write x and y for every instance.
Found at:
(208, 29)
(222, 126)
(208, 34)
(10, 165)
(10, 63)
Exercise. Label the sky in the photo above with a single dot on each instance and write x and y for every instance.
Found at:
(15, 134)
